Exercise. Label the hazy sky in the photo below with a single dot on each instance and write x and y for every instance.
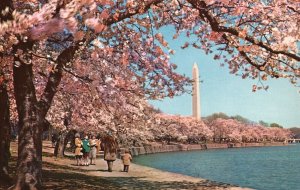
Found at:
(230, 94)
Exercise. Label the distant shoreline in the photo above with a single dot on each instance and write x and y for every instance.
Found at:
(152, 149)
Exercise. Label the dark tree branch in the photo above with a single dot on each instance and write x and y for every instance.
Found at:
(111, 20)
(55, 77)
(82, 78)
(216, 27)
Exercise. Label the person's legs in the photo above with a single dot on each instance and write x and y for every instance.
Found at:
(107, 165)
(94, 155)
(77, 160)
(85, 159)
(126, 167)
(110, 165)
(91, 157)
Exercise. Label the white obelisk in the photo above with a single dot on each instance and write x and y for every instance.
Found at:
(196, 93)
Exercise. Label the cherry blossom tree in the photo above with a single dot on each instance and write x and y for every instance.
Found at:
(26, 99)
(85, 38)
(257, 39)
(180, 129)
(236, 131)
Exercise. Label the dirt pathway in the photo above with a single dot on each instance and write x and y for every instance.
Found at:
(64, 174)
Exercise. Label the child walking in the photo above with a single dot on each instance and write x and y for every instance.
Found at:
(126, 158)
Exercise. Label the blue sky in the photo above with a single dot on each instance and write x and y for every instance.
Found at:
(230, 94)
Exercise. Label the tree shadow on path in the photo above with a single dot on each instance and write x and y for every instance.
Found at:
(69, 178)
(62, 177)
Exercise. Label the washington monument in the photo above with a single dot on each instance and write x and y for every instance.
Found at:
(196, 93)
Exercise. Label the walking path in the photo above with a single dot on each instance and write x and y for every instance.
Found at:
(69, 176)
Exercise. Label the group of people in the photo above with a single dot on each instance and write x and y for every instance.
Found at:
(86, 151)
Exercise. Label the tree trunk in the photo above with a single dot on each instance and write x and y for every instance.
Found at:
(61, 144)
(5, 128)
(29, 166)
(50, 132)
(32, 114)
(4, 132)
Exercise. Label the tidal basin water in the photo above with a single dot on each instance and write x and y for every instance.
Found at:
(262, 168)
